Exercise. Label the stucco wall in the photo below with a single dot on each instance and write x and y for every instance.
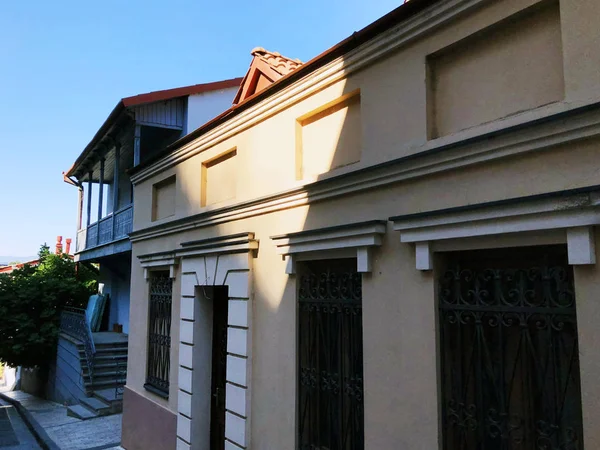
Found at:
(399, 322)
(400, 371)
(146, 425)
(521, 57)
(138, 337)
(203, 107)
(393, 110)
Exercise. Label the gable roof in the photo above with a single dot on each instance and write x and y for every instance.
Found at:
(266, 68)
(150, 97)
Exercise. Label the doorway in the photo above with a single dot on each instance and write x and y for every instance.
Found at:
(220, 299)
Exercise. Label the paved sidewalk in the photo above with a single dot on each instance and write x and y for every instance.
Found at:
(14, 434)
(70, 433)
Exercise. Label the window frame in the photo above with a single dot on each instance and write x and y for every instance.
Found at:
(151, 384)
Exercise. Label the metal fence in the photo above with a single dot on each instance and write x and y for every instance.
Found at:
(73, 323)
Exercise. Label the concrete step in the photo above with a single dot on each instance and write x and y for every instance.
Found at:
(105, 365)
(119, 345)
(110, 397)
(108, 358)
(112, 375)
(96, 405)
(115, 344)
(107, 395)
(80, 412)
(105, 372)
(106, 353)
(111, 348)
(103, 384)
(81, 346)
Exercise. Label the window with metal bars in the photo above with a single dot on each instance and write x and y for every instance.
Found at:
(509, 353)
(330, 356)
(159, 333)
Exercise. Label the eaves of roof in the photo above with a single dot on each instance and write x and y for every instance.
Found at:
(398, 15)
(141, 99)
(168, 94)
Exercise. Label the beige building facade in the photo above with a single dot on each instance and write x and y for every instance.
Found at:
(390, 247)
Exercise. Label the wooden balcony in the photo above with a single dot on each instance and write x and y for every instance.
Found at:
(114, 227)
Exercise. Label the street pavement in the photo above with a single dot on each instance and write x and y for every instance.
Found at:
(70, 433)
(14, 434)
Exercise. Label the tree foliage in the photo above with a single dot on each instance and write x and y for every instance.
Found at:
(31, 299)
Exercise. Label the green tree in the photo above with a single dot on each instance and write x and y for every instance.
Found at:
(31, 299)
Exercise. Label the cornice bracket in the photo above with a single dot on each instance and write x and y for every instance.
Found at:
(358, 238)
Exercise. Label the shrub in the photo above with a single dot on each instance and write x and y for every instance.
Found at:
(31, 299)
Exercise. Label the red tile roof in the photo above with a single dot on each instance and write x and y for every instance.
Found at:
(265, 69)
(276, 61)
(168, 94)
(12, 267)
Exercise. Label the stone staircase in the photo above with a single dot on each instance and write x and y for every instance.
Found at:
(104, 391)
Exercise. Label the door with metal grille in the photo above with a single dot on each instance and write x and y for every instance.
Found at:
(330, 359)
(509, 355)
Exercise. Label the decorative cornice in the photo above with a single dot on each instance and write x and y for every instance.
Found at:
(559, 129)
(507, 216)
(234, 243)
(159, 260)
(575, 211)
(338, 69)
(359, 237)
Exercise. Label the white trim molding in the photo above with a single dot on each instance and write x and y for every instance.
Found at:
(581, 245)
(574, 211)
(433, 157)
(357, 237)
(234, 243)
(159, 261)
(219, 261)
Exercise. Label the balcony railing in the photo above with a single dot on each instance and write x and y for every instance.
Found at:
(111, 228)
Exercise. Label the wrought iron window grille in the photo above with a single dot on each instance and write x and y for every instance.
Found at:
(509, 356)
(159, 333)
(330, 359)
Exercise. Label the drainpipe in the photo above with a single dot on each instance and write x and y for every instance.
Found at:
(79, 186)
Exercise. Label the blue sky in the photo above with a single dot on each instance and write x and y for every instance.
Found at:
(65, 64)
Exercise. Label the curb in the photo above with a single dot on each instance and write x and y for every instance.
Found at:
(36, 429)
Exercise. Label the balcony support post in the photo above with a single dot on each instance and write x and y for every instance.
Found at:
(89, 201)
(100, 195)
(136, 144)
(79, 205)
(89, 208)
(116, 186)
